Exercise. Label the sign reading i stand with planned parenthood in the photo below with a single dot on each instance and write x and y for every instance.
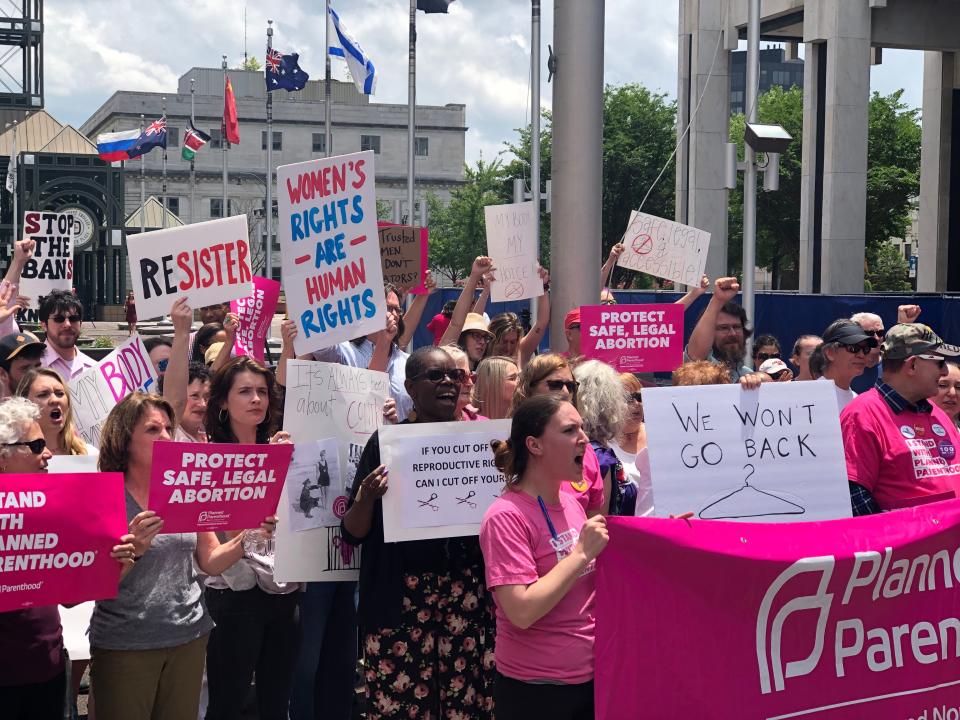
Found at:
(329, 244)
(51, 267)
(664, 249)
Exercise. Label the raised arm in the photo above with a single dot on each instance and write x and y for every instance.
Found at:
(383, 345)
(611, 261)
(288, 331)
(411, 318)
(693, 293)
(481, 265)
(231, 323)
(701, 339)
(177, 377)
(531, 341)
(480, 306)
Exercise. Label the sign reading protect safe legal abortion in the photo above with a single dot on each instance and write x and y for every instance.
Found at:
(633, 338)
(664, 249)
(51, 267)
(331, 256)
(255, 313)
(198, 487)
(442, 478)
(206, 263)
(51, 552)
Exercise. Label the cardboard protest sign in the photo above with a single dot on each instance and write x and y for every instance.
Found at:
(56, 534)
(664, 249)
(840, 620)
(633, 338)
(95, 392)
(323, 401)
(256, 312)
(767, 455)
(403, 255)
(442, 478)
(327, 229)
(514, 247)
(207, 263)
(51, 267)
(198, 487)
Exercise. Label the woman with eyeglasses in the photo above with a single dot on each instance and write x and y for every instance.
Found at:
(841, 357)
(45, 389)
(423, 604)
(765, 347)
(466, 410)
(630, 447)
(495, 385)
(32, 660)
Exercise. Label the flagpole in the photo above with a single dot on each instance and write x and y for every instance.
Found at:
(535, 130)
(143, 190)
(327, 109)
(268, 210)
(223, 138)
(163, 182)
(14, 159)
(193, 172)
(412, 112)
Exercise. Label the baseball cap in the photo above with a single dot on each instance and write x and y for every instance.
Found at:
(908, 339)
(849, 334)
(13, 344)
(572, 318)
(773, 366)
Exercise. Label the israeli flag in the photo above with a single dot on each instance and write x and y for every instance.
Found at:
(360, 66)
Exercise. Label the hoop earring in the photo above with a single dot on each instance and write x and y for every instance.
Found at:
(222, 416)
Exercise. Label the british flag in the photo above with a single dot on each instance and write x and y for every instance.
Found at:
(274, 59)
(157, 126)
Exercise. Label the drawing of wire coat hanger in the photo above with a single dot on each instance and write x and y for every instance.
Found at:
(736, 505)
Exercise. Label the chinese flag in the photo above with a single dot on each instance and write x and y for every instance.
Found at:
(231, 127)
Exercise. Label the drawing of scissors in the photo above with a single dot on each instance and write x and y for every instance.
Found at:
(428, 503)
(466, 500)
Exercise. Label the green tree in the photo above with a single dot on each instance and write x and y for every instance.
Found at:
(519, 167)
(888, 271)
(250, 63)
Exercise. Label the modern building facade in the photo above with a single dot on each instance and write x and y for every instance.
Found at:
(776, 70)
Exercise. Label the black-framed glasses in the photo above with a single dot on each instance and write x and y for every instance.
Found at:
(878, 334)
(636, 397)
(862, 349)
(768, 356)
(940, 361)
(74, 319)
(36, 446)
(558, 385)
(436, 375)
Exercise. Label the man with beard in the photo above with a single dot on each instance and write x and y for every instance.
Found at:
(722, 331)
(61, 317)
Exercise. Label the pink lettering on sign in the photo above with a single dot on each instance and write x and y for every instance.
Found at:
(633, 338)
(837, 620)
(216, 486)
(127, 369)
(256, 313)
(51, 552)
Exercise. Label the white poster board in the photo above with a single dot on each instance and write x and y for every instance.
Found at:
(442, 478)
(326, 400)
(330, 249)
(97, 390)
(51, 267)
(514, 247)
(207, 263)
(664, 249)
(767, 455)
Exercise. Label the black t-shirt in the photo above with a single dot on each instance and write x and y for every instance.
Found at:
(31, 646)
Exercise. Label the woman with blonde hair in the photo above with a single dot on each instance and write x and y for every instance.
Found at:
(45, 389)
(466, 410)
(495, 385)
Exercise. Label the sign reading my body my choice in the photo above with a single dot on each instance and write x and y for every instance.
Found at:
(332, 275)
(51, 267)
(198, 487)
(633, 338)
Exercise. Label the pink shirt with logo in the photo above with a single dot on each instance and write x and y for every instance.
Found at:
(518, 549)
(899, 457)
(589, 491)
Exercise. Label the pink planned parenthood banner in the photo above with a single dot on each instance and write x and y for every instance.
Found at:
(256, 312)
(200, 487)
(837, 620)
(56, 534)
(633, 338)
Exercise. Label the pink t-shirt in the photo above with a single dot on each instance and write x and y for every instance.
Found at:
(901, 456)
(589, 491)
(518, 549)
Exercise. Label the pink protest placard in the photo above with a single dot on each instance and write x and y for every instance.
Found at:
(199, 487)
(837, 620)
(256, 312)
(633, 338)
(56, 534)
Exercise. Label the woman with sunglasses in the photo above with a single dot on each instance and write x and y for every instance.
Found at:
(424, 617)
(841, 357)
(45, 389)
(32, 661)
(630, 447)
(495, 385)
(466, 410)
(765, 347)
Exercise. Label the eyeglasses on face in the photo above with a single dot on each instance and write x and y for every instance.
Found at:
(635, 397)
(608, 301)
(862, 349)
(878, 334)
(437, 375)
(61, 319)
(558, 385)
(36, 446)
(934, 358)
(736, 328)
(768, 356)
(478, 337)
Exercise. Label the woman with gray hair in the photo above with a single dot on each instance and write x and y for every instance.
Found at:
(602, 403)
(841, 357)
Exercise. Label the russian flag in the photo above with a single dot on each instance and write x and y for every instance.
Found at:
(117, 146)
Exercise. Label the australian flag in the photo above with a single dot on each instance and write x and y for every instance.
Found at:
(283, 73)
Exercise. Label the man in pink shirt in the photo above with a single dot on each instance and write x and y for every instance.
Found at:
(900, 449)
(61, 317)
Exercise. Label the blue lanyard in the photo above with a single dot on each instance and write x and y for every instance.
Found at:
(546, 516)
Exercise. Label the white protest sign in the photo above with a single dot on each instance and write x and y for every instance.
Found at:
(767, 455)
(332, 275)
(664, 249)
(326, 400)
(514, 247)
(95, 392)
(51, 267)
(442, 478)
(207, 263)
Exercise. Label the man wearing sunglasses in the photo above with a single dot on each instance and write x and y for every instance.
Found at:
(61, 317)
(900, 449)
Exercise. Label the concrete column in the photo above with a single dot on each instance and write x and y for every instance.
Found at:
(577, 163)
(844, 27)
(701, 195)
(939, 80)
(811, 173)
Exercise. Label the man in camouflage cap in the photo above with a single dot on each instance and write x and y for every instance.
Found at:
(900, 449)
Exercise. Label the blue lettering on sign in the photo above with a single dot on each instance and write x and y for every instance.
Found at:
(345, 311)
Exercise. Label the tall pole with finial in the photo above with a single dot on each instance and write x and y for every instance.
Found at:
(163, 173)
(223, 138)
(411, 111)
(268, 210)
(327, 107)
(143, 189)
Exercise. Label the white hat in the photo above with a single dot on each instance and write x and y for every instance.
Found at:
(773, 366)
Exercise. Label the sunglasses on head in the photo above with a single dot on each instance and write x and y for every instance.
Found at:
(437, 375)
(768, 356)
(66, 318)
(558, 385)
(36, 446)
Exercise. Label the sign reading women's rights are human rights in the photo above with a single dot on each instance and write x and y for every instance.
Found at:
(330, 249)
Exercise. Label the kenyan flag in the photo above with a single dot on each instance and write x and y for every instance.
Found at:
(193, 140)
